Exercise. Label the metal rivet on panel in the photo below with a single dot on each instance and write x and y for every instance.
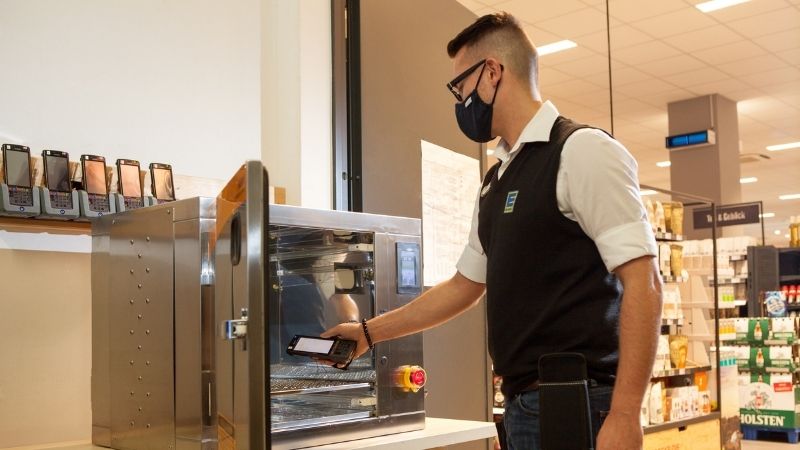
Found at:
(140, 409)
(139, 255)
(132, 332)
(147, 362)
(147, 269)
(131, 241)
(132, 423)
(131, 362)
(147, 331)
(148, 394)
(139, 317)
(131, 271)
(384, 360)
(139, 347)
(133, 393)
(148, 425)
(148, 238)
(139, 378)
(147, 300)
(131, 301)
(139, 285)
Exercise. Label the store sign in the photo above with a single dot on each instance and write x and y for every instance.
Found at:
(728, 215)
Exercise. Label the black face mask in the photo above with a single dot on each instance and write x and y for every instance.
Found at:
(474, 116)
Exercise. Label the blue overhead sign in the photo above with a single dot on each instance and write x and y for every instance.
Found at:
(703, 137)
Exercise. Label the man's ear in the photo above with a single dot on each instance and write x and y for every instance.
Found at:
(495, 70)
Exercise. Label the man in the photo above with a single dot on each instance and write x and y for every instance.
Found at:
(558, 225)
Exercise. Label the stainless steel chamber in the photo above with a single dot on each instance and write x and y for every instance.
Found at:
(194, 303)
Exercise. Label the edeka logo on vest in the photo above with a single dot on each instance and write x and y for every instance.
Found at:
(511, 198)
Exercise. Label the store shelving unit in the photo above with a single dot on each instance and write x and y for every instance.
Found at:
(700, 333)
(679, 372)
(667, 237)
(790, 279)
(681, 423)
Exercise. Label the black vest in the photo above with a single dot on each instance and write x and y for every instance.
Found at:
(547, 287)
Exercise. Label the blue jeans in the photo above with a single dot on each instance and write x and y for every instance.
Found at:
(521, 418)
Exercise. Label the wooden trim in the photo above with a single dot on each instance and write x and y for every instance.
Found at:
(23, 225)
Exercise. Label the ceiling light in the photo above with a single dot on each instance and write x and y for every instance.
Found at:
(664, 163)
(789, 197)
(777, 232)
(555, 47)
(648, 192)
(748, 180)
(714, 5)
(787, 146)
(767, 215)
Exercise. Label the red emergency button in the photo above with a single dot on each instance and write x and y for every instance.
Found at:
(410, 378)
(418, 377)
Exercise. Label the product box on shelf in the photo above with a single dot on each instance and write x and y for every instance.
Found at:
(758, 359)
(782, 330)
(766, 331)
(671, 404)
(752, 331)
(769, 400)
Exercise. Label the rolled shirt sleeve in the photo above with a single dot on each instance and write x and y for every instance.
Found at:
(472, 263)
(598, 187)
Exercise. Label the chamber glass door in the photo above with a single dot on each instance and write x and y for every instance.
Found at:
(318, 279)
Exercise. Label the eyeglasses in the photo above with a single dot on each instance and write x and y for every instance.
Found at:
(453, 85)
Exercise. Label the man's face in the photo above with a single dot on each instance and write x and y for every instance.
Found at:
(467, 70)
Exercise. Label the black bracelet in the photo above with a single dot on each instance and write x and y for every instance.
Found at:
(366, 334)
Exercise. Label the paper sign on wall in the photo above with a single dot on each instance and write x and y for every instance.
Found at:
(450, 183)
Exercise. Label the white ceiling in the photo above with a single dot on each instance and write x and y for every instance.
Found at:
(667, 50)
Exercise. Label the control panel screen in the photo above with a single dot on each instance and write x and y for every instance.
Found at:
(57, 173)
(408, 271)
(310, 345)
(18, 168)
(131, 185)
(163, 184)
(95, 182)
(408, 268)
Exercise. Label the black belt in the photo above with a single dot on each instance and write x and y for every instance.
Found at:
(535, 386)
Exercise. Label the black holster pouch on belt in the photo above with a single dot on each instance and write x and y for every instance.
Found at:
(564, 416)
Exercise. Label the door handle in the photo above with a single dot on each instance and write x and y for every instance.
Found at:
(235, 328)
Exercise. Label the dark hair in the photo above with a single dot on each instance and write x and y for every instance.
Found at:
(480, 28)
(502, 34)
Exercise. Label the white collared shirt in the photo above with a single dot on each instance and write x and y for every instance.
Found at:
(597, 186)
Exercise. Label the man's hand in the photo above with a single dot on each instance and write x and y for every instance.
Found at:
(352, 331)
(436, 306)
(620, 431)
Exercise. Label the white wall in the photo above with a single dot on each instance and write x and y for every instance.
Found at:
(155, 80)
(296, 78)
(173, 81)
(316, 104)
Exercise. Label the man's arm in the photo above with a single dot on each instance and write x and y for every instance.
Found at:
(640, 321)
(345, 307)
(440, 304)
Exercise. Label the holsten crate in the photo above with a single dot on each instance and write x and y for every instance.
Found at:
(768, 401)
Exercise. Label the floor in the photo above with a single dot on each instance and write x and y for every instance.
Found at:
(761, 445)
(746, 445)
